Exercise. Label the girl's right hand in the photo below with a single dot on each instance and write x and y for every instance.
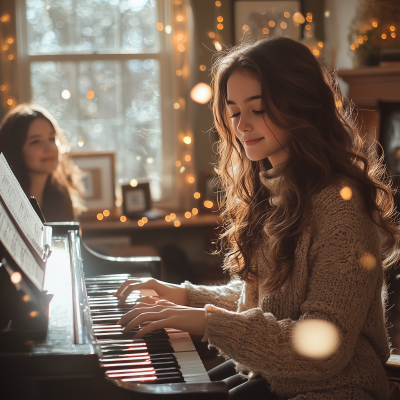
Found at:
(165, 291)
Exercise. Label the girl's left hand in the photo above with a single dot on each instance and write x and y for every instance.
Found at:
(165, 315)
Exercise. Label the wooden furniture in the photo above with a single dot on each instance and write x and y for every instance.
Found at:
(369, 86)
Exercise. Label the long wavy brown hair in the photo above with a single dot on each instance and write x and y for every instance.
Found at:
(302, 97)
(13, 133)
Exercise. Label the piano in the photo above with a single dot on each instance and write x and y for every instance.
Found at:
(84, 354)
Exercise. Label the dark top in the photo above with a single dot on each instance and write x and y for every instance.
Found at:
(57, 204)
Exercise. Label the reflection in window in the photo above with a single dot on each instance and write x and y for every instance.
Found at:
(110, 104)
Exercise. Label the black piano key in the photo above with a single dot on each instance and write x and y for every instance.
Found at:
(161, 362)
(161, 351)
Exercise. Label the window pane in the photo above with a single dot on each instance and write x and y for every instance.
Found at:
(100, 113)
(88, 26)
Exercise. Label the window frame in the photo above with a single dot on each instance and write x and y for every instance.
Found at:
(169, 182)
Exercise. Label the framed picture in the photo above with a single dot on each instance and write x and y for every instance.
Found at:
(98, 180)
(208, 191)
(257, 19)
(136, 200)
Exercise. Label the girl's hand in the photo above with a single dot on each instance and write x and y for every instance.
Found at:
(165, 291)
(165, 315)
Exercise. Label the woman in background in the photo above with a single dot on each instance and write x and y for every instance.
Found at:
(29, 139)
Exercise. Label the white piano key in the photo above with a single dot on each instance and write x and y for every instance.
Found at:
(192, 367)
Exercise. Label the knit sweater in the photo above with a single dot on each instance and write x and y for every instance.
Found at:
(337, 277)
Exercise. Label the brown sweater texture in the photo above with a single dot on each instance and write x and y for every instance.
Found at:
(330, 281)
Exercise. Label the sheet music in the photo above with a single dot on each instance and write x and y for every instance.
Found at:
(20, 208)
(18, 250)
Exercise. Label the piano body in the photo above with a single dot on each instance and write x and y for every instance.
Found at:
(83, 354)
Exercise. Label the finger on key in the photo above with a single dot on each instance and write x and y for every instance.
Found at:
(134, 286)
(126, 284)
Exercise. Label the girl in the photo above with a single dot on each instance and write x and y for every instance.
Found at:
(309, 227)
(29, 138)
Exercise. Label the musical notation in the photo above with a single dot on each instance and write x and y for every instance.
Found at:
(21, 210)
(18, 250)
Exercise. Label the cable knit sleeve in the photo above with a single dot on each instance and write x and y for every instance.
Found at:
(345, 274)
(225, 296)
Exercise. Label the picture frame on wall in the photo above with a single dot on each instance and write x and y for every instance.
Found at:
(98, 180)
(257, 19)
(136, 200)
(209, 188)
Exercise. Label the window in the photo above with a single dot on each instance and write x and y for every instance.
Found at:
(100, 67)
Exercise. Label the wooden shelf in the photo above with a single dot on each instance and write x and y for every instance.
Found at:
(110, 224)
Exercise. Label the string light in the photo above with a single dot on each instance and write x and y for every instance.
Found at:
(106, 213)
(202, 67)
(298, 18)
(181, 47)
(383, 36)
(122, 218)
(172, 216)
(375, 24)
(393, 35)
(2, 88)
(196, 195)
(10, 57)
(195, 211)
(100, 216)
(177, 223)
(392, 28)
(10, 40)
(321, 44)
(159, 26)
(145, 220)
(218, 3)
(208, 204)
(168, 218)
(178, 72)
(286, 14)
(187, 158)
(191, 179)
(211, 35)
(188, 214)
(80, 143)
(308, 27)
(315, 52)
(5, 18)
(5, 47)
(220, 27)
(168, 29)
(265, 31)
(283, 25)
(187, 140)
(178, 163)
(179, 18)
(140, 223)
(177, 106)
(9, 102)
(133, 182)
(245, 27)
(271, 24)
(90, 95)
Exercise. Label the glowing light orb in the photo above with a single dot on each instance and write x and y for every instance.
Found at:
(100, 216)
(172, 216)
(168, 218)
(299, 18)
(188, 214)
(66, 94)
(133, 182)
(106, 213)
(346, 193)
(16, 278)
(201, 93)
(177, 223)
(315, 338)
(368, 261)
(195, 211)
(122, 218)
(187, 140)
(196, 195)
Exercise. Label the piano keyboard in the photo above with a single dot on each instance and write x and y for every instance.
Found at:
(162, 356)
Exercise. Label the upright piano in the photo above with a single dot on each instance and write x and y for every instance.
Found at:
(84, 354)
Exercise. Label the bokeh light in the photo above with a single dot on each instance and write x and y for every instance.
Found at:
(66, 94)
(168, 218)
(168, 29)
(196, 195)
(106, 213)
(122, 218)
(195, 211)
(133, 182)
(140, 223)
(187, 158)
(187, 140)
(100, 216)
(16, 277)
(173, 216)
(188, 214)
(177, 223)
(315, 338)
(191, 179)
(299, 18)
(368, 261)
(178, 163)
(346, 193)
(201, 93)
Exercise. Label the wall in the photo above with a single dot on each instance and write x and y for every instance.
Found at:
(337, 47)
